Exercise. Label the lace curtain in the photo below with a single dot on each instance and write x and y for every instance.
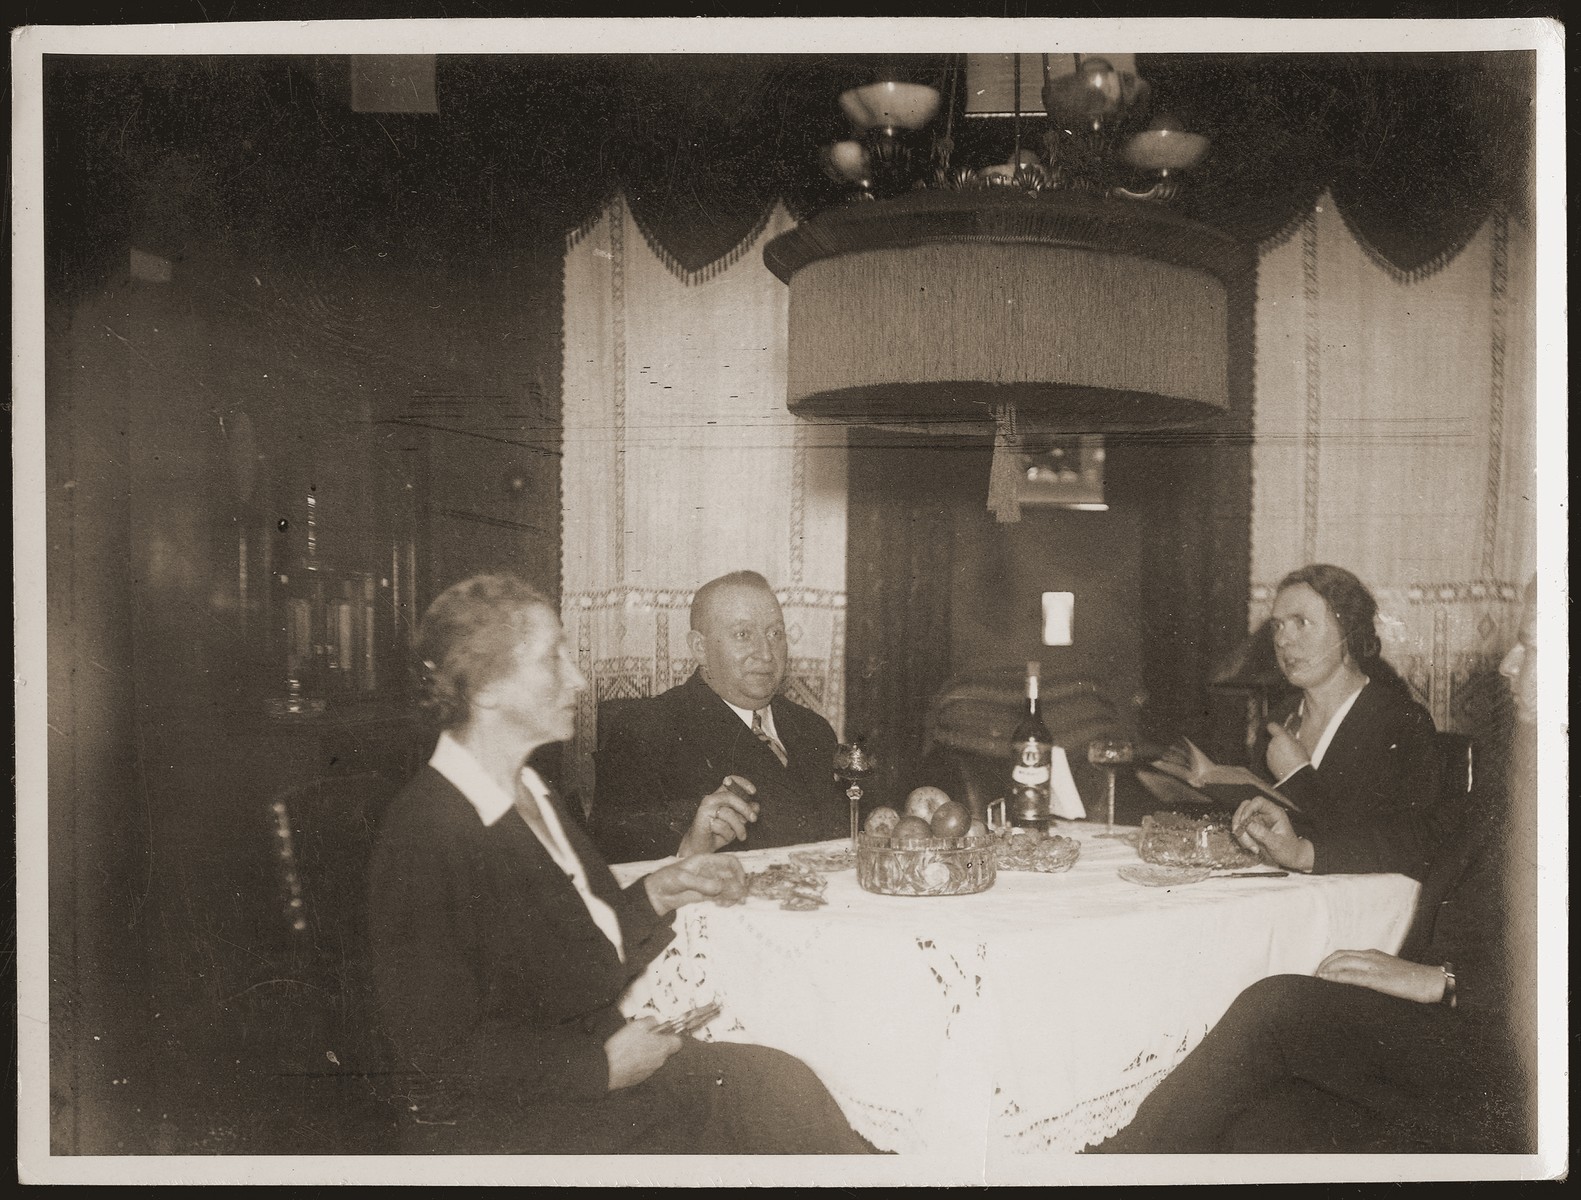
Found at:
(1395, 425)
(1395, 419)
(682, 463)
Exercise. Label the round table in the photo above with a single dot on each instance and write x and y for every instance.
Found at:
(1032, 1017)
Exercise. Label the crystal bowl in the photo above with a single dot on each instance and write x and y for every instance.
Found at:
(935, 867)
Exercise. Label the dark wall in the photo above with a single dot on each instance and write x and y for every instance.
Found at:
(98, 819)
(899, 556)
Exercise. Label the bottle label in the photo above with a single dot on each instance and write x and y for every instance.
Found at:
(1032, 764)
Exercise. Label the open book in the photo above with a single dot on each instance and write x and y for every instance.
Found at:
(1199, 772)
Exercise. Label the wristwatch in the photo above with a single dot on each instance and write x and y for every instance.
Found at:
(1448, 998)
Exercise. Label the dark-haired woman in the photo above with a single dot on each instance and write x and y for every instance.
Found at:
(1356, 753)
(501, 943)
(1432, 1050)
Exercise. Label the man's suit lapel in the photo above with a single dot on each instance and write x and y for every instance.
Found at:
(800, 746)
(731, 747)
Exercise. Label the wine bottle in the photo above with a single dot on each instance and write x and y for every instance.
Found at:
(1031, 748)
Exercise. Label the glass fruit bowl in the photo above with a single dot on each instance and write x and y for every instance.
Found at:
(925, 867)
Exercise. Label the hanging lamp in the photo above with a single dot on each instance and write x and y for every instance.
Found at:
(1022, 297)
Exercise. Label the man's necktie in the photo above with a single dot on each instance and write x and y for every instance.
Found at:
(769, 740)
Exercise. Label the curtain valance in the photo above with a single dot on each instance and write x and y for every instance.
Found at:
(1415, 150)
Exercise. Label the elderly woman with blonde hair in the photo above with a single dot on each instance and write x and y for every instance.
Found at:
(501, 943)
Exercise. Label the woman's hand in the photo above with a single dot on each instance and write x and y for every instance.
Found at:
(1286, 756)
(1264, 828)
(700, 877)
(1384, 973)
(635, 1051)
(722, 817)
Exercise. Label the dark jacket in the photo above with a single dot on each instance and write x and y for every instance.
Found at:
(1460, 920)
(668, 752)
(1470, 915)
(1375, 803)
(493, 984)
(1478, 905)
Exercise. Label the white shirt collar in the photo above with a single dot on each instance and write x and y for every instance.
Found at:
(455, 762)
(746, 715)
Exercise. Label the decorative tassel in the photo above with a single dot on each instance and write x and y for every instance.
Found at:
(1004, 473)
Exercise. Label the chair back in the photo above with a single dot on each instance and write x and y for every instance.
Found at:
(324, 833)
(612, 714)
(1457, 755)
(317, 1011)
(978, 715)
(966, 744)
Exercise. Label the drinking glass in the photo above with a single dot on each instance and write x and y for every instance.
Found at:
(854, 762)
(1110, 753)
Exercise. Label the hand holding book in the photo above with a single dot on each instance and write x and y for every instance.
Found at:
(1195, 769)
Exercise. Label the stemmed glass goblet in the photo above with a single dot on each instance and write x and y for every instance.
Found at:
(1110, 753)
(853, 763)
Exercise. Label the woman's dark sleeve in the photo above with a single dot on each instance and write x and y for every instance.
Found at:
(646, 932)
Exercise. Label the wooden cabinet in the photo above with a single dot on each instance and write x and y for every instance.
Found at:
(262, 472)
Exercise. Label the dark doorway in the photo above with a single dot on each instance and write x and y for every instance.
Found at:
(939, 590)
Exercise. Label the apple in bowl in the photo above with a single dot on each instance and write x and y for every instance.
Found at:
(911, 831)
(881, 821)
(952, 819)
(923, 802)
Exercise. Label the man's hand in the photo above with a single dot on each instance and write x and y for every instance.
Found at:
(722, 818)
(1384, 973)
(1286, 756)
(636, 1051)
(1263, 827)
(700, 877)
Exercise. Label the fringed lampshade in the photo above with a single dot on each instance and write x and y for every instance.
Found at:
(936, 309)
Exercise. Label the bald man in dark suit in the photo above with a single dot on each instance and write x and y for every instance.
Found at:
(661, 773)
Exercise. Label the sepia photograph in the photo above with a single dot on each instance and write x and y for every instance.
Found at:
(762, 601)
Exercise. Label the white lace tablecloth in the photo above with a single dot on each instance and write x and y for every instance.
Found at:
(1032, 1017)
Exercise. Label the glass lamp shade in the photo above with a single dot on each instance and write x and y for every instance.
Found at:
(890, 105)
(846, 162)
(1165, 150)
(1092, 94)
